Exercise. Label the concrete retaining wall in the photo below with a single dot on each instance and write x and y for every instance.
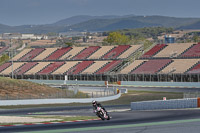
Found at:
(167, 104)
(161, 84)
(56, 101)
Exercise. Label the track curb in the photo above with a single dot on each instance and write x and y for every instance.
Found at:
(45, 123)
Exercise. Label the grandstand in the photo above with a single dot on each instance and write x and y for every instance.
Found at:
(69, 55)
(173, 50)
(86, 52)
(79, 67)
(31, 54)
(131, 50)
(3, 49)
(180, 66)
(193, 52)
(162, 62)
(21, 54)
(131, 66)
(152, 66)
(58, 53)
(195, 69)
(37, 68)
(114, 53)
(153, 51)
(66, 67)
(4, 66)
(108, 67)
(27, 66)
(50, 68)
(95, 67)
(9, 69)
(44, 54)
(101, 52)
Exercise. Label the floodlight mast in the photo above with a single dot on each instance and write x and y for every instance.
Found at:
(11, 57)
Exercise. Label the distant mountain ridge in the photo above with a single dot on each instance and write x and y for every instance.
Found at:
(82, 18)
(104, 23)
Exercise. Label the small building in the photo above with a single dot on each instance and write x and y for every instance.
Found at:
(169, 39)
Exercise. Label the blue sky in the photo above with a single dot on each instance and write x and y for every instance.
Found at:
(18, 12)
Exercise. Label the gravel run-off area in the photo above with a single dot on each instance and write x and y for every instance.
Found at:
(18, 119)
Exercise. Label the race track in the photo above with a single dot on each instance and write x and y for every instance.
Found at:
(160, 121)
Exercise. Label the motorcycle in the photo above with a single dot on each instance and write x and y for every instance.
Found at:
(101, 113)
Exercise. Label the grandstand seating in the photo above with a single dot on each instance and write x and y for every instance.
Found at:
(101, 52)
(64, 68)
(21, 54)
(69, 55)
(195, 69)
(114, 53)
(194, 51)
(173, 50)
(131, 66)
(8, 70)
(108, 67)
(32, 54)
(2, 49)
(58, 53)
(153, 50)
(21, 70)
(86, 52)
(179, 66)
(5, 65)
(45, 54)
(37, 68)
(152, 66)
(80, 67)
(94, 67)
(50, 68)
(129, 51)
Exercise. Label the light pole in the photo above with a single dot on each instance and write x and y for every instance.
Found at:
(11, 56)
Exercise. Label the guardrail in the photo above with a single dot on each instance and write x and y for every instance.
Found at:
(56, 101)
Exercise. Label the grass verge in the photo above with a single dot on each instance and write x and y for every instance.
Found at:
(131, 96)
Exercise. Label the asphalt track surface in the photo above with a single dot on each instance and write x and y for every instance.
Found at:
(160, 121)
(127, 121)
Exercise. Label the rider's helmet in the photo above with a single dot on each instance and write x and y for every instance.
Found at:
(94, 102)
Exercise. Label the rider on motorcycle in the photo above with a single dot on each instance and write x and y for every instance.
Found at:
(96, 104)
(100, 111)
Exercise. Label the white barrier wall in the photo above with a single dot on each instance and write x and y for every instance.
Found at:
(56, 101)
(165, 104)
(161, 84)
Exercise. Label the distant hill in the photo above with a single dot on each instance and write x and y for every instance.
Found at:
(105, 23)
(82, 18)
(195, 25)
(132, 22)
(4, 27)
